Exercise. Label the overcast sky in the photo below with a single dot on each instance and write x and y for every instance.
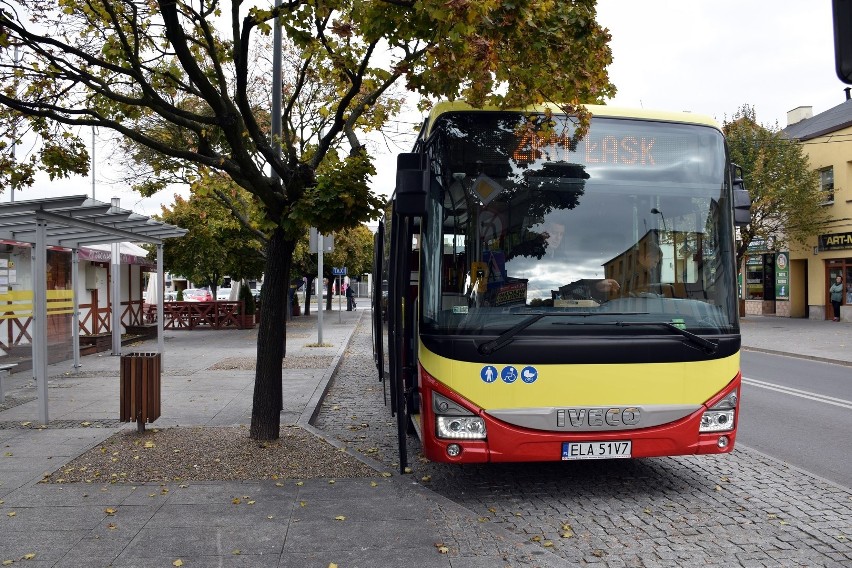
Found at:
(703, 56)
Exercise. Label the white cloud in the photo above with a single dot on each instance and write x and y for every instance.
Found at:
(711, 57)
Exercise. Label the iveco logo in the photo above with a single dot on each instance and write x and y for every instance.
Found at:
(598, 417)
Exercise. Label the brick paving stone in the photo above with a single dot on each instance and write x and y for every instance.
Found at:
(741, 509)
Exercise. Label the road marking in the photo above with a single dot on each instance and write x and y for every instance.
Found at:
(800, 393)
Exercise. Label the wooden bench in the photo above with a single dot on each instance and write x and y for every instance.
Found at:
(5, 370)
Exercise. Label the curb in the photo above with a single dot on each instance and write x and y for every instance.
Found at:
(798, 356)
(312, 408)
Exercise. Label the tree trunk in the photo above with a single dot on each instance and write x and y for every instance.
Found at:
(266, 407)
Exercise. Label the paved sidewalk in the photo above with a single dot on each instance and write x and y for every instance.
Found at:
(198, 523)
(810, 339)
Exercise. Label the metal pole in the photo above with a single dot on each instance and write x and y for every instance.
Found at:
(115, 300)
(39, 336)
(93, 162)
(320, 288)
(75, 310)
(161, 294)
(14, 132)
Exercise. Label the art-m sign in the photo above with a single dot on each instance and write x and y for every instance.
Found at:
(836, 241)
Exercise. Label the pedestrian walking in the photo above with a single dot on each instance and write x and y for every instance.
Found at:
(836, 296)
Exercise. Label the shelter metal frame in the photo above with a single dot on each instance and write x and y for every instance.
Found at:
(72, 222)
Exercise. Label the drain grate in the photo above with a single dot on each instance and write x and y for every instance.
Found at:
(60, 424)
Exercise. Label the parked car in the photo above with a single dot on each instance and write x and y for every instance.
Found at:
(223, 294)
(197, 295)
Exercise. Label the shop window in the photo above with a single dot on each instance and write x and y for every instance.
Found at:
(754, 278)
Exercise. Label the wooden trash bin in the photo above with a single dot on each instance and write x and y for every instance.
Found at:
(140, 388)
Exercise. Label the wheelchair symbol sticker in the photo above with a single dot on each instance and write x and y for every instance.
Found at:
(529, 375)
(488, 374)
(509, 374)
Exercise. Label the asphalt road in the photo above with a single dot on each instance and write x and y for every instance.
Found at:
(800, 412)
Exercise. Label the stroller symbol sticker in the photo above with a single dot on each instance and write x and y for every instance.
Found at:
(529, 374)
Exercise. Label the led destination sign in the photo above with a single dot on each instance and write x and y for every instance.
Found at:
(629, 150)
(502, 144)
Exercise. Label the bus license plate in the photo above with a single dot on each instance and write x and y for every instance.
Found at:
(596, 450)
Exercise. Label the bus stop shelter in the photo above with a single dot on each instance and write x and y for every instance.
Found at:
(70, 223)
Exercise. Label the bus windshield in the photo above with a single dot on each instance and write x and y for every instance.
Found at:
(630, 223)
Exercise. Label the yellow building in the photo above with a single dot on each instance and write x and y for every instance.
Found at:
(827, 141)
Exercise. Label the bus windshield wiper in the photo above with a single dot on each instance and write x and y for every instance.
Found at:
(706, 345)
(505, 338)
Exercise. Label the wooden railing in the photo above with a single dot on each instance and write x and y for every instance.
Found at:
(16, 314)
(191, 315)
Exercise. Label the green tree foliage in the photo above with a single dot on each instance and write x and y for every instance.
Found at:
(784, 190)
(180, 78)
(216, 245)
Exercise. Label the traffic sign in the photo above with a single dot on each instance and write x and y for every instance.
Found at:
(338, 271)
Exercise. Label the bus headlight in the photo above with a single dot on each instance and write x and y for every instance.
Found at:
(461, 427)
(720, 416)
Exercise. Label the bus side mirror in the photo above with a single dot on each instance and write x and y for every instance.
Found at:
(742, 200)
(842, 15)
(410, 200)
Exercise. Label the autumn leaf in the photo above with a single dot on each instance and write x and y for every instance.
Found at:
(29, 556)
(177, 562)
(109, 511)
(11, 514)
(339, 518)
(149, 444)
(236, 501)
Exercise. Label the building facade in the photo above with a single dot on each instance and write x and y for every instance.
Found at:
(827, 141)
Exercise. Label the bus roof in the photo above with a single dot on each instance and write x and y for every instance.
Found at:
(596, 110)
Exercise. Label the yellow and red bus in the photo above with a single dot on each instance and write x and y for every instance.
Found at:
(544, 296)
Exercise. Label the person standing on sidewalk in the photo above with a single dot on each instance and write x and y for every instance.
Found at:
(836, 296)
(350, 298)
